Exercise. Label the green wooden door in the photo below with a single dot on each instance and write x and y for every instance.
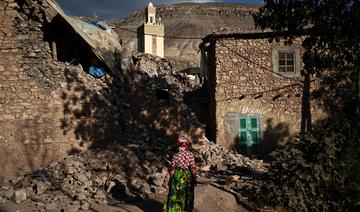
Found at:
(249, 130)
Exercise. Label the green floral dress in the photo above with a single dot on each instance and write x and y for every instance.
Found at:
(181, 192)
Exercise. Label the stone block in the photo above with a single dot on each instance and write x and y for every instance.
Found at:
(19, 196)
(157, 179)
(8, 117)
(41, 187)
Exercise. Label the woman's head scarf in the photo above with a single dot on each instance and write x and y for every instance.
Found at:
(183, 142)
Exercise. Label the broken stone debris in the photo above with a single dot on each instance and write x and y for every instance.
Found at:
(80, 181)
(159, 67)
(19, 196)
(216, 157)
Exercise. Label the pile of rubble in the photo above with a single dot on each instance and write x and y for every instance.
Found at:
(77, 182)
(131, 172)
(155, 102)
(160, 67)
(217, 158)
(152, 65)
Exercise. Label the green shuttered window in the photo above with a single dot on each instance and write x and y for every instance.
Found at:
(249, 130)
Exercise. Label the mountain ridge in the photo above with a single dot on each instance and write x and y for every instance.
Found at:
(186, 24)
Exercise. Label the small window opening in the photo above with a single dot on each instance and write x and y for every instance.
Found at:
(286, 62)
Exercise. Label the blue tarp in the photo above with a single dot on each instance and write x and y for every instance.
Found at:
(96, 71)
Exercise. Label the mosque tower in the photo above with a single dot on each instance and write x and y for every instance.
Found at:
(151, 33)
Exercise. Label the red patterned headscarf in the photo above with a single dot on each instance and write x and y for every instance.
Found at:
(183, 142)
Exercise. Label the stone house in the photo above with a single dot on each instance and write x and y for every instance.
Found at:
(256, 90)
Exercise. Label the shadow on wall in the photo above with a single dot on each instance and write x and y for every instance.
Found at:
(31, 141)
(126, 109)
(90, 113)
(274, 136)
(250, 150)
(198, 101)
(126, 119)
(35, 152)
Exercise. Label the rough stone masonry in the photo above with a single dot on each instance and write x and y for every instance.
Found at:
(243, 80)
(31, 106)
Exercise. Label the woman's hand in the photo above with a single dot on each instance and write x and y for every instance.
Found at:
(172, 171)
(193, 170)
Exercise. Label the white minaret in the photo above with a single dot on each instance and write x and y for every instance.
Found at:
(151, 33)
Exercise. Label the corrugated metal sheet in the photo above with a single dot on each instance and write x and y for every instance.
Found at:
(103, 41)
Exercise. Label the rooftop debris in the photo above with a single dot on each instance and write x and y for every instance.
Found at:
(104, 41)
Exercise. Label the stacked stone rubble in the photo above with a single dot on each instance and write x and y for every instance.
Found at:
(77, 182)
(215, 157)
(155, 95)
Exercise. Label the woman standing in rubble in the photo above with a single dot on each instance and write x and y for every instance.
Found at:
(182, 179)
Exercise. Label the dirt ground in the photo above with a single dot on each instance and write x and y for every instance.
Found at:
(207, 199)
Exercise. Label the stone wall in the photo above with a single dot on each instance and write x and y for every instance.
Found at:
(245, 84)
(33, 90)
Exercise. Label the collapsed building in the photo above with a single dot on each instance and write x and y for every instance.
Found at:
(67, 86)
(53, 104)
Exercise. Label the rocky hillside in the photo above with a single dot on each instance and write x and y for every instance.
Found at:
(189, 21)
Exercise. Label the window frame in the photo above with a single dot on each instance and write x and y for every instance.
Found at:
(276, 51)
(288, 56)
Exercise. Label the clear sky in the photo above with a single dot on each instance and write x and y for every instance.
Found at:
(113, 9)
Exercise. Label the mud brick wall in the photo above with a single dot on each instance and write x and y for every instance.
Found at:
(245, 84)
(36, 114)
